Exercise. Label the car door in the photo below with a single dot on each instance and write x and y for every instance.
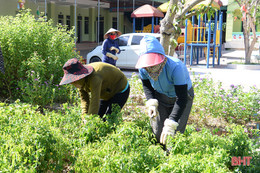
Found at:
(123, 45)
(133, 51)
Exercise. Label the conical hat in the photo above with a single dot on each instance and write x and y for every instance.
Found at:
(112, 30)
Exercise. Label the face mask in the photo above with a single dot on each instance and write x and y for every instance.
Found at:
(154, 71)
(112, 37)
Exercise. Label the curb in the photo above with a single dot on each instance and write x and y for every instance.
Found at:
(243, 66)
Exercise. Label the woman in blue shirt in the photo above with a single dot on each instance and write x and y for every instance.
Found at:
(110, 46)
(167, 87)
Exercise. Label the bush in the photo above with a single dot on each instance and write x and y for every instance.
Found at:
(33, 142)
(232, 104)
(34, 52)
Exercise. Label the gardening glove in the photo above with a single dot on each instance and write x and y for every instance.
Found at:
(168, 129)
(114, 48)
(110, 55)
(152, 105)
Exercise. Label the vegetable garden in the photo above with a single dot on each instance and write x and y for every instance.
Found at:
(41, 128)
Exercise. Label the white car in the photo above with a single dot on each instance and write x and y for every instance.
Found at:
(129, 46)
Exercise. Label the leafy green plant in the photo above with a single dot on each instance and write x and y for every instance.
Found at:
(31, 45)
(128, 149)
(233, 104)
(61, 141)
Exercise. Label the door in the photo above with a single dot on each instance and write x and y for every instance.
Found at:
(79, 24)
(100, 35)
(133, 50)
(123, 45)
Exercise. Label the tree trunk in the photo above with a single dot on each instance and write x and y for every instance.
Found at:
(248, 25)
(246, 41)
(176, 14)
(166, 28)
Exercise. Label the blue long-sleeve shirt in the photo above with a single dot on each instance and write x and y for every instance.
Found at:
(107, 44)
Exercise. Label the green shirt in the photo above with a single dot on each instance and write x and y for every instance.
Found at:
(104, 82)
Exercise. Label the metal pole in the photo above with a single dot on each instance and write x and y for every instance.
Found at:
(117, 14)
(133, 5)
(75, 22)
(98, 21)
(45, 9)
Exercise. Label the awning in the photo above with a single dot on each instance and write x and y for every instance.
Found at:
(147, 11)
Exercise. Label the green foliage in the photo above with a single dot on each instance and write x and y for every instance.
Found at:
(233, 104)
(34, 52)
(61, 141)
(33, 142)
(204, 152)
(128, 149)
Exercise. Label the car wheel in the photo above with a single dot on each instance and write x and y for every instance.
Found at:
(94, 59)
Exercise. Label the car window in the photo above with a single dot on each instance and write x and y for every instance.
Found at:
(122, 41)
(136, 40)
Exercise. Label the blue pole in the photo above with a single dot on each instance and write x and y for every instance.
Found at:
(134, 25)
(191, 48)
(220, 37)
(214, 38)
(152, 23)
(185, 41)
(198, 40)
(208, 45)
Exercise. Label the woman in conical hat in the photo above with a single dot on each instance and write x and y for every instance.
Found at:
(110, 46)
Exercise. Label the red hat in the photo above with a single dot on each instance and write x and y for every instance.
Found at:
(149, 59)
(74, 70)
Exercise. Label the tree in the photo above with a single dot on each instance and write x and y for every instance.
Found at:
(249, 11)
(178, 11)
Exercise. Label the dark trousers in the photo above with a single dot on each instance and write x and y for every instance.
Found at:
(165, 108)
(105, 106)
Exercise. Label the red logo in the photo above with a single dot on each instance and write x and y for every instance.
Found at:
(237, 161)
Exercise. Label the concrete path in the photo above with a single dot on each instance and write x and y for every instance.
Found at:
(246, 78)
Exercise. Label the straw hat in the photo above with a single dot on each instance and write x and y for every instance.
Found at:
(112, 30)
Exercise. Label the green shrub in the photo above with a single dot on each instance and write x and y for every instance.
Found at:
(28, 142)
(233, 104)
(127, 150)
(34, 52)
(203, 152)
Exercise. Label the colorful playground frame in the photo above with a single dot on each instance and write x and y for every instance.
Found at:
(200, 38)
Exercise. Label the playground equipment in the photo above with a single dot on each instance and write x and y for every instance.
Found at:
(205, 37)
(146, 11)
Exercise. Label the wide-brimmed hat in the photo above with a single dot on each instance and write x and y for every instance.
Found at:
(149, 59)
(112, 30)
(74, 70)
(151, 52)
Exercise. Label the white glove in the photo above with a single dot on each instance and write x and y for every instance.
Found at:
(152, 105)
(114, 48)
(111, 56)
(168, 129)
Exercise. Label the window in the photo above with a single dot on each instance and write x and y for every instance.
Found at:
(60, 19)
(68, 22)
(122, 41)
(136, 40)
(114, 22)
(86, 24)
